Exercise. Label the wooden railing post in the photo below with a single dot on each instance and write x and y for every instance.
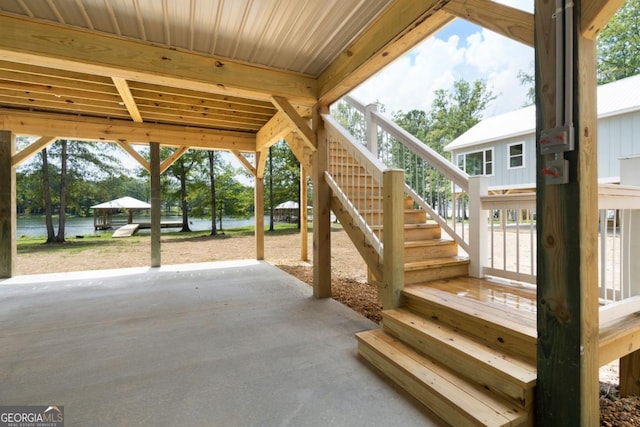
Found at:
(372, 129)
(478, 220)
(393, 249)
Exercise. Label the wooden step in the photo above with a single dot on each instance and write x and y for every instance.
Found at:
(374, 217)
(455, 400)
(507, 375)
(415, 232)
(428, 249)
(501, 328)
(435, 269)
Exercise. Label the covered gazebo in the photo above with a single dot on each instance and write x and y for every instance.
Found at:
(103, 212)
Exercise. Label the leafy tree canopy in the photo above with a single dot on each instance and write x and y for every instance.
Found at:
(618, 45)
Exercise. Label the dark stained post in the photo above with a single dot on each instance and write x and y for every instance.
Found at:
(567, 387)
(321, 212)
(154, 151)
(259, 215)
(8, 220)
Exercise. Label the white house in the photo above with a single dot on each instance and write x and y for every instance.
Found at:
(503, 147)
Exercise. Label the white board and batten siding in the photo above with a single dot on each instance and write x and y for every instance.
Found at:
(618, 137)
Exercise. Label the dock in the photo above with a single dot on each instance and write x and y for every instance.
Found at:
(126, 230)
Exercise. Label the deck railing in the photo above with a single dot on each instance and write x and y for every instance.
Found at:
(372, 194)
(432, 181)
(497, 231)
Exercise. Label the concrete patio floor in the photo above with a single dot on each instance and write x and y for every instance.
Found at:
(219, 344)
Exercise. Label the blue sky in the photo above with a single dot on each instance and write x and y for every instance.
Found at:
(459, 51)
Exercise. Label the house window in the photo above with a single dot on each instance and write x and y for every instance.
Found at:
(477, 162)
(516, 155)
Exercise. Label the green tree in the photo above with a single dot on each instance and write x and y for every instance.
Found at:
(618, 52)
(285, 175)
(185, 171)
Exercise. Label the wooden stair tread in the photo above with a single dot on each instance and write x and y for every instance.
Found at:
(454, 399)
(452, 348)
(425, 225)
(619, 338)
(435, 262)
(430, 242)
(522, 322)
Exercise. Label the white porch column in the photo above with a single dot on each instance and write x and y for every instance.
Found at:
(478, 223)
(630, 232)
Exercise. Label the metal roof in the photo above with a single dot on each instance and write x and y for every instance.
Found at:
(619, 97)
(126, 202)
(294, 35)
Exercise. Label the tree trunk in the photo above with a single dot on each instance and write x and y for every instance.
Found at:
(212, 175)
(51, 235)
(63, 191)
(270, 189)
(183, 199)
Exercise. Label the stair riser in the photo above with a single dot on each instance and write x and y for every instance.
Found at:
(429, 274)
(495, 336)
(417, 234)
(439, 250)
(468, 366)
(367, 204)
(410, 217)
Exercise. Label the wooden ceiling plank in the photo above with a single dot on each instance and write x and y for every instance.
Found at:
(134, 154)
(34, 103)
(32, 149)
(38, 43)
(204, 107)
(398, 29)
(596, 14)
(57, 83)
(123, 89)
(53, 90)
(297, 122)
(245, 162)
(55, 73)
(101, 129)
(199, 121)
(275, 129)
(166, 163)
(199, 111)
(191, 94)
(508, 21)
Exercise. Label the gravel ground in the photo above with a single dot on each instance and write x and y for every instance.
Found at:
(348, 282)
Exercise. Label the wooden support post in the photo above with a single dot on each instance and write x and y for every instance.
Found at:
(478, 222)
(630, 374)
(393, 250)
(321, 212)
(304, 221)
(259, 216)
(567, 298)
(8, 219)
(372, 129)
(154, 152)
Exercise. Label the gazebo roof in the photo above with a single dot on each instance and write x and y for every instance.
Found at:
(123, 203)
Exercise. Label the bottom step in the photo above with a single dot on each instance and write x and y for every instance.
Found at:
(455, 400)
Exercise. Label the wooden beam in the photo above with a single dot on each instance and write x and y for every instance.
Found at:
(630, 374)
(8, 219)
(298, 124)
(127, 98)
(596, 14)
(567, 297)
(99, 129)
(321, 211)
(275, 129)
(508, 21)
(398, 29)
(133, 153)
(32, 149)
(261, 162)
(259, 217)
(245, 162)
(154, 154)
(304, 215)
(166, 163)
(300, 150)
(33, 42)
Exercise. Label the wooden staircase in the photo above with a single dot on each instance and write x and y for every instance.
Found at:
(467, 356)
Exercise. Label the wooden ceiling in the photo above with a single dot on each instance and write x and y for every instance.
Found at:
(208, 73)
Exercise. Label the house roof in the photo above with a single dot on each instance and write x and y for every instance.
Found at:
(619, 97)
(123, 203)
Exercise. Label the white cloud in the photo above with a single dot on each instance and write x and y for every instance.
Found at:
(409, 83)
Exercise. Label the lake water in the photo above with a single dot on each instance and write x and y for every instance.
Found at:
(35, 227)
